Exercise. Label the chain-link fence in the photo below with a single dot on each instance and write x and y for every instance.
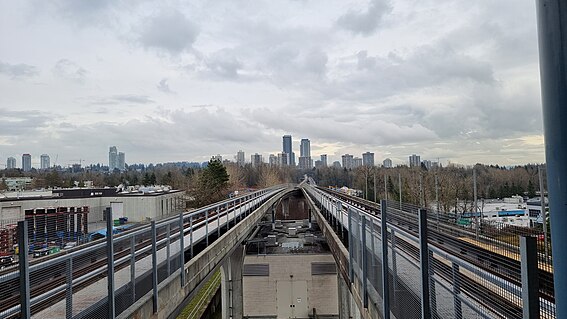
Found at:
(105, 277)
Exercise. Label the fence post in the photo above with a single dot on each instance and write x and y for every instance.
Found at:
(218, 221)
(191, 234)
(364, 264)
(350, 248)
(167, 249)
(69, 290)
(530, 284)
(424, 264)
(154, 267)
(237, 217)
(23, 264)
(394, 264)
(207, 228)
(385, 271)
(133, 267)
(227, 218)
(182, 249)
(110, 264)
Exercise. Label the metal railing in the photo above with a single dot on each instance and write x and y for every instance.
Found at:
(105, 277)
(419, 272)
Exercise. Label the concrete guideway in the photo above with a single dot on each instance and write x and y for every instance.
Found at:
(444, 298)
(224, 252)
(97, 292)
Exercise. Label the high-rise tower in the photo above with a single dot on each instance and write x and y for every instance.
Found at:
(112, 158)
(26, 162)
(44, 161)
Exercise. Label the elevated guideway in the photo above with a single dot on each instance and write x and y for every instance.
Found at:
(137, 273)
(442, 276)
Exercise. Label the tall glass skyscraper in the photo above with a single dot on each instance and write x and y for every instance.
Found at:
(305, 148)
(26, 162)
(288, 150)
(112, 158)
(44, 161)
(11, 163)
(305, 161)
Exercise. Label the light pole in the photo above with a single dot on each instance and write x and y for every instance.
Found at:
(375, 187)
(437, 200)
(400, 186)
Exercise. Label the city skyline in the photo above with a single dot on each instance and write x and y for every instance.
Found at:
(352, 76)
(358, 159)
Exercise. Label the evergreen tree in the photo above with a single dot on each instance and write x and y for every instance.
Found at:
(212, 184)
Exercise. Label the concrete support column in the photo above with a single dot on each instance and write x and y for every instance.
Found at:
(231, 285)
(285, 208)
(552, 30)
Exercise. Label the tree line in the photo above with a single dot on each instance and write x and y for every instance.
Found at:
(453, 184)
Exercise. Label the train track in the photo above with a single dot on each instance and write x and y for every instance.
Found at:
(443, 237)
(55, 281)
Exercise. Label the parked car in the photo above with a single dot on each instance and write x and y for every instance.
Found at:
(6, 261)
(40, 252)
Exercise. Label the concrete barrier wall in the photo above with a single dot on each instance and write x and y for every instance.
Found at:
(353, 304)
(199, 268)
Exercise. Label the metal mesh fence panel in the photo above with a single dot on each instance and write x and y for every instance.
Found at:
(475, 268)
(405, 300)
(375, 286)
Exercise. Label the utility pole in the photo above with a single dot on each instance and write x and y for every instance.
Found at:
(400, 186)
(375, 200)
(437, 200)
(386, 186)
(421, 200)
(478, 220)
(366, 180)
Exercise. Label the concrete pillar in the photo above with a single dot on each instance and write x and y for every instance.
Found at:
(231, 285)
(285, 207)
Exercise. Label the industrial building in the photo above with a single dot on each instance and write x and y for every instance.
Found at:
(136, 205)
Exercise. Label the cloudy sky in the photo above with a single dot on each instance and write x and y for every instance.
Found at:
(166, 81)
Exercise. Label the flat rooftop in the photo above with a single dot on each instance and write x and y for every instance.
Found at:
(287, 237)
(77, 193)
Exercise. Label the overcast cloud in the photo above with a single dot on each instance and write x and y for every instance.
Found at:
(171, 81)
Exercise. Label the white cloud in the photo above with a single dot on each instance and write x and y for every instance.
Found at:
(17, 71)
(365, 22)
(169, 30)
(458, 81)
(70, 70)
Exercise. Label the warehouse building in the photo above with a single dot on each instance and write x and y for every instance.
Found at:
(136, 205)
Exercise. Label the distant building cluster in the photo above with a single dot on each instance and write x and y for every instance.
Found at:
(287, 158)
(116, 160)
(415, 161)
(27, 165)
(306, 161)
